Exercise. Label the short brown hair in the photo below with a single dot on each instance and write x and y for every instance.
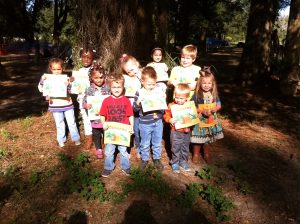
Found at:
(116, 77)
(190, 50)
(55, 61)
(182, 88)
(148, 72)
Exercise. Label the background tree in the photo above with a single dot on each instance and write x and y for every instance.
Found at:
(292, 51)
(255, 62)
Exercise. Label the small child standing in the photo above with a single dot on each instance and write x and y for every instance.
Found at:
(132, 75)
(160, 67)
(116, 108)
(208, 103)
(150, 123)
(98, 87)
(180, 138)
(61, 107)
(87, 57)
(187, 72)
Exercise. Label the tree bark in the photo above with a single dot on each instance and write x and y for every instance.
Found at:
(255, 62)
(290, 81)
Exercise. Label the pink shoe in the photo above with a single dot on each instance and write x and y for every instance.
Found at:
(99, 153)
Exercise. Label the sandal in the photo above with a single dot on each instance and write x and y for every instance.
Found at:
(99, 153)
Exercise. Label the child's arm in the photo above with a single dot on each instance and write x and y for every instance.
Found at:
(85, 105)
(131, 121)
(168, 116)
(102, 119)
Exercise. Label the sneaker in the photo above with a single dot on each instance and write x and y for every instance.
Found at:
(126, 172)
(185, 167)
(106, 173)
(77, 143)
(175, 168)
(143, 165)
(159, 166)
(61, 144)
(99, 154)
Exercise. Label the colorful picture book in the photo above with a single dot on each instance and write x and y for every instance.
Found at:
(153, 101)
(96, 102)
(55, 85)
(117, 134)
(80, 83)
(185, 115)
(132, 84)
(210, 121)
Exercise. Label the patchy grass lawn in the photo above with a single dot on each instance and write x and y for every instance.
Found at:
(254, 177)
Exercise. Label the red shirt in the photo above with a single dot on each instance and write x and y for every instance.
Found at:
(116, 109)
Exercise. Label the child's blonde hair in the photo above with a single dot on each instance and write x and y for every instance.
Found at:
(125, 58)
(189, 50)
(207, 73)
(55, 61)
(117, 78)
(148, 73)
(182, 88)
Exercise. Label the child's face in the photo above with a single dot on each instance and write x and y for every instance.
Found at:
(157, 55)
(131, 68)
(206, 84)
(97, 78)
(56, 68)
(87, 59)
(116, 89)
(186, 60)
(180, 98)
(149, 84)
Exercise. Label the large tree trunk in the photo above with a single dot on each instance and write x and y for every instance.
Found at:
(162, 22)
(255, 62)
(292, 48)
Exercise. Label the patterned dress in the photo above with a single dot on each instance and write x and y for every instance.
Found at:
(209, 129)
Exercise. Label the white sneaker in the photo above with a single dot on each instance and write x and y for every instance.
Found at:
(77, 143)
(61, 144)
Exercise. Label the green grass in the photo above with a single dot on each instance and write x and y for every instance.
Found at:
(206, 173)
(3, 153)
(27, 122)
(7, 135)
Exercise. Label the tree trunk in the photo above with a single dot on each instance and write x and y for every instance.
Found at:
(255, 62)
(292, 48)
(162, 22)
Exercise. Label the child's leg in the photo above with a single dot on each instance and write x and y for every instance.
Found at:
(60, 126)
(145, 133)
(196, 152)
(184, 151)
(69, 114)
(97, 134)
(124, 157)
(156, 139)
(137, 138)
(176, 141)
(109, 157)
(206, 154)
(86, 122)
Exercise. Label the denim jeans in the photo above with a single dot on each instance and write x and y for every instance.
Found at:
(109, 157)
(61, 126)
(137, 138)
(151, 135)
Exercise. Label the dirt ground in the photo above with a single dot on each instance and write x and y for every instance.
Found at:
(258, 158)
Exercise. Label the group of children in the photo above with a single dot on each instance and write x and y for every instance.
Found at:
(127, 91)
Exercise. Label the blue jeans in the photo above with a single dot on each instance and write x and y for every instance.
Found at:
(109, 157)
(61, 126)
(151, 134)
(137, 138)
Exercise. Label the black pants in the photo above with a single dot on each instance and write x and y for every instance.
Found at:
(97, 136)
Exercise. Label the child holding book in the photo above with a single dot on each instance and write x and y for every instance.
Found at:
(61, 107)
(98, 87)
(116, 108)
(180, 138)
(150, 122)
(187, 72)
